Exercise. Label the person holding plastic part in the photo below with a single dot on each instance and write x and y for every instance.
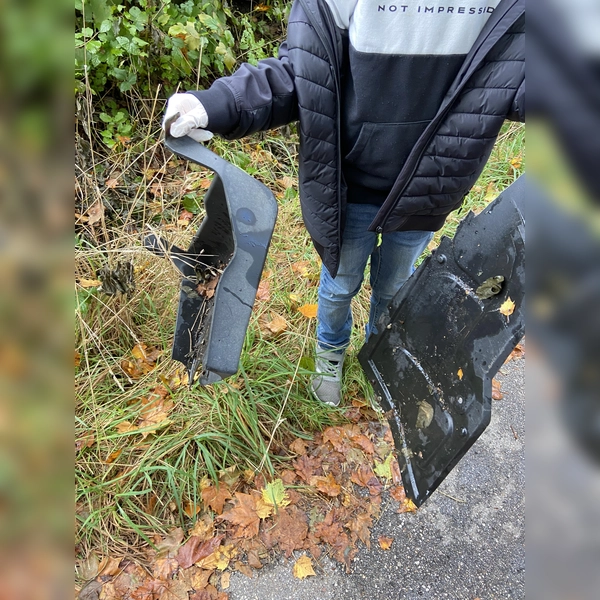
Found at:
(399, 106)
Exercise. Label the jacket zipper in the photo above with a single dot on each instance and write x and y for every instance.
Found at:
(437, 119)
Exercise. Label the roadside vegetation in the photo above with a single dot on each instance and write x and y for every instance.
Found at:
(149, 446)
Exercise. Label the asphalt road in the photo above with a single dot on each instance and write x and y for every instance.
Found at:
(466, 542)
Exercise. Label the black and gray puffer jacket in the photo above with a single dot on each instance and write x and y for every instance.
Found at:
(306, 83)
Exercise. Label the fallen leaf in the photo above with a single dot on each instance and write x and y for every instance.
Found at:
(274, 494)
(204, 528)
(276, 325)
(113, 456)
(254, 559)
(507, 307)
(308, 310)
(111, 183)
(385, 542)
(225, 577)
(407, 505)
(398, 493)
(243, 516)
(263, 292)
(208, 288)
(191, 509)
(184, 218)
(290, 530)
(327, 485)
(195, 578)
(362, 476)
(215, 497)
(517, 352)
(88, 568)
(89, 283)
(384, 469)
(360, 527)
(169, 545)
(195, 550)
(163, 568)
(303, 567)
(85, 441)
(95, 212)
(306, 466)
(125, 427)
(244, 569)
(460, 373)
(496, 393)
(298, 446)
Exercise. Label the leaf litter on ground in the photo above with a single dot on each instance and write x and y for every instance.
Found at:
(325, 502)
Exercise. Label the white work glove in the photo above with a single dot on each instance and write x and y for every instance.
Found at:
(192, 117)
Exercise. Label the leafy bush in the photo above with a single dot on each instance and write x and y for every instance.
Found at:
(122, 46)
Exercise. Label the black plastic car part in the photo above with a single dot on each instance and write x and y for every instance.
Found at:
(448, 331)
(230, 246)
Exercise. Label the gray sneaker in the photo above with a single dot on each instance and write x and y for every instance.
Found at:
(327, 384)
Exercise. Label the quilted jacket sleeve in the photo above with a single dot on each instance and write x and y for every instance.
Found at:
(254, 98)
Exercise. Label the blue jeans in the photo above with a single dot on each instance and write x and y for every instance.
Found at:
(392, 263)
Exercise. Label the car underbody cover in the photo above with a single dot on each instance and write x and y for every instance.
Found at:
(230, 246)
(448, 331)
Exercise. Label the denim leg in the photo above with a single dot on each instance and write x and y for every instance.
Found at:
(392, 263)
(334, 314)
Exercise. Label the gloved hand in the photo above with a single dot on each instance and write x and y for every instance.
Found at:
(192, 117)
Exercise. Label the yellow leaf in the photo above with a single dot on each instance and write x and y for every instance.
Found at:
(309, 310)
(385, 542)
(125, 427)
(89, 283)
(274, 494)
(263, 509)
(276, 325)
(460, 373)
(303, 567)
(384, 469)
(507, 308)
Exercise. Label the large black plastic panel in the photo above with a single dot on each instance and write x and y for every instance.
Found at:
(446, 334)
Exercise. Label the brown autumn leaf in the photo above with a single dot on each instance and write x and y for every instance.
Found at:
(407, 505)
(385, 542)
(215, 497)
(326, 485)
(244, 569)
(398, 494)
(95, 212)
(243, 516)
(263, 293)
(85, 441)
(308, 310)
(302, 268)
(306, 466)
(496, 387)
(360, 526)
(298, 446)
(225, 578)
(191, 509)
(164, 567)
(111, 183)
(195, 578)
(303, 567)
(517, 352)
(208, 288)
(362, 476)
(208, 593)
(336, 436)
(204, 528)
(169, 545)
(290, 529)
(113, 456)
(184, 218)
(195, 550)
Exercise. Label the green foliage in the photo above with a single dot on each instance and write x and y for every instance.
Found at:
(139, 45)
